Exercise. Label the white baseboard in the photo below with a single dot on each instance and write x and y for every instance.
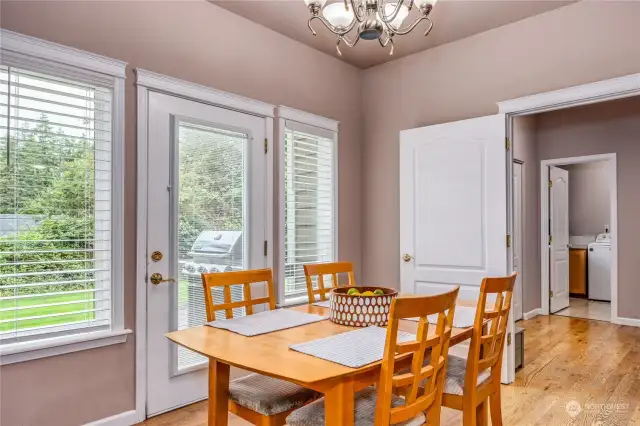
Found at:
(531, 314)
(127, 418)
(633, 322)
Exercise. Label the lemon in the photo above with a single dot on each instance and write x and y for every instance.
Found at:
(368, 293)
(353, 292)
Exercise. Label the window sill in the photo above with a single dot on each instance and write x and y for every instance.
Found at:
(295, 301)
(27, 351)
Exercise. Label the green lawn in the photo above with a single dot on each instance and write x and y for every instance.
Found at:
(82, 302)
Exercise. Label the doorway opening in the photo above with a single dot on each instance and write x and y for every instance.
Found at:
(578, 203)
(577, 173)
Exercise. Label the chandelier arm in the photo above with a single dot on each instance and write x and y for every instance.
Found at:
(381, 10)
(415, 23)
(349, 42)
(356, 10)
(346, 41)
(389, 40)
(337, 31)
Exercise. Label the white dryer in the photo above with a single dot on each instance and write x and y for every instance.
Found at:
(599, 261)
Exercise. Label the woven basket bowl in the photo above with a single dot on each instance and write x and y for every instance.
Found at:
(360, 311)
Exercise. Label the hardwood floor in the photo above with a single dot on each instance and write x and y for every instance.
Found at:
(577, 372)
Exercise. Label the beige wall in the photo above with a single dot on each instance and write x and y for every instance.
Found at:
(524, 149)
(589, 208)
(576, 44)
(611, 127)
(199, 42)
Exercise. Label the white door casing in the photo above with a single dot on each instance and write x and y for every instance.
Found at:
(518, 237)
(175, 378)
(559, 245)
(453, 206)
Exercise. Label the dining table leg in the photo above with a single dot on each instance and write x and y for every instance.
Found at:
(339, 404)
(218, 393)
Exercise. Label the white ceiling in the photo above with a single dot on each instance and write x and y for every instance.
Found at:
(453, 20)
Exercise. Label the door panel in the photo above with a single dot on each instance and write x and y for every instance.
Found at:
(559, 247)
(518, 241)
(206, 205)
(453, 204)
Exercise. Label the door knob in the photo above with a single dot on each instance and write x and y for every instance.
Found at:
(156, 279)
(407, 257)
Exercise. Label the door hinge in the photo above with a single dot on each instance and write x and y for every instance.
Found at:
(265, 247)
(550, 239)
(266, 145)
(550, 293)
(550, 183)
(509, 339)
(508, 240)
(507, 143)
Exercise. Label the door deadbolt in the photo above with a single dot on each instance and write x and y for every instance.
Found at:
(156, 256)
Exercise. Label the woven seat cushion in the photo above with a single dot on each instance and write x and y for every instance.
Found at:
(365, 411)
(456, 370)
(269, 396)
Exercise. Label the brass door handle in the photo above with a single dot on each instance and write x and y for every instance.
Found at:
(407, 257)
(156, 279)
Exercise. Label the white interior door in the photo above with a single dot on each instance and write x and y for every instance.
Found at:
(559, 245)
(518, 221)
(206, 213)
(453, 210)
(453, 206)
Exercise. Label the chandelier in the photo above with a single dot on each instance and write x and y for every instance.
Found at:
(376, 19)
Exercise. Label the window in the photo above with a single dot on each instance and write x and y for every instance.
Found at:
(59, 208)
(309, 201)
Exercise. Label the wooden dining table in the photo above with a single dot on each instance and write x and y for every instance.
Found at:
(269, 354)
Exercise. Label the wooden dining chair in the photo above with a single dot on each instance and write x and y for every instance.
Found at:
(319, 270)
(474, 381)
(258, 399)
(420, 386)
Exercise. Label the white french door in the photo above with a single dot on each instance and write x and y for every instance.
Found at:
(206, 203)
(559, 238)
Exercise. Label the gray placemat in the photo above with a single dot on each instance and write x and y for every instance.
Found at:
(324, 304)
(353, 349)
(464, 317)
(266, 322)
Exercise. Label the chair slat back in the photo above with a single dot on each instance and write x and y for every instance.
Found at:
(422, 386)
(487, 344)
(320, 270)
(244, 278)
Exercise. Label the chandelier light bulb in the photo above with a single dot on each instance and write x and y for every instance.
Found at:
(338, 16)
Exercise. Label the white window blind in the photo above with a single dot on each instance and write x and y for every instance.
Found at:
(55, 205)
(309, 178)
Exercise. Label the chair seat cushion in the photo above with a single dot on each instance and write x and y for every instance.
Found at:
(269, 396)
(365, 411)
(456, 370)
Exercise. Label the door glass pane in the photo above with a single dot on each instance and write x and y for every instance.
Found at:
(211, 219)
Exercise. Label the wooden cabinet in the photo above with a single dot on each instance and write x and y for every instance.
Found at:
(578, 272)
